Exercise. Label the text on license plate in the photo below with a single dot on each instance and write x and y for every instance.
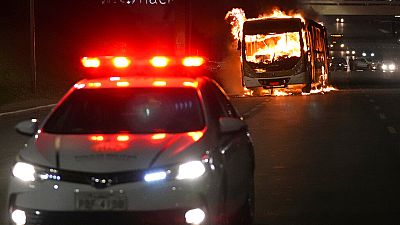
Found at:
(99, 201)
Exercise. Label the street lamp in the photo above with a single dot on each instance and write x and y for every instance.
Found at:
(33, 44)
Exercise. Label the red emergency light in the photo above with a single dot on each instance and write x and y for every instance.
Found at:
(121, 62)
(160, 61)
(89, 62)
(193, 61)
(124, 82)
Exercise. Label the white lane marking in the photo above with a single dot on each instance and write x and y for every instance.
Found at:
(392, 130)
(27, 110)
(377, 107)
(382, 116)
(256, 107)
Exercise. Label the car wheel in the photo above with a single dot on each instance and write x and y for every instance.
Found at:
(245, 215)
(257, 91)
(306, 89)
(222, 218)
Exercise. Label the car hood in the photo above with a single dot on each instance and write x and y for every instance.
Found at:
(110, 153)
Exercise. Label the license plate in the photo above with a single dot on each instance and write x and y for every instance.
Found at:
(100, 201)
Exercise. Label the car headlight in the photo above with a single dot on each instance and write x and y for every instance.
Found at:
(384, 67)
(392, 67)
(191, 170)
(155, 176)
(24, 171)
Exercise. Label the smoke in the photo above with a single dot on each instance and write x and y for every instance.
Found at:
(267, 5)
(230, 77)
(288, 6)
(291, 8)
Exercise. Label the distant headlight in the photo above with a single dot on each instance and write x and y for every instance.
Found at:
(191, 170)
(384, 67)
(392, 67)
(24, 171)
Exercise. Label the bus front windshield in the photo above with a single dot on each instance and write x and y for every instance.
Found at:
(273, 52)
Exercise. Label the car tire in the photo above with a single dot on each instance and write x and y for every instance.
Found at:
(247, 212)
(257, 92)
(306, 89)
(245, 215)
(222, 218)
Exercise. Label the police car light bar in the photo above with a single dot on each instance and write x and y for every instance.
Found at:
(90, 62)
(159, 61)
(123, 62)
(193, 61)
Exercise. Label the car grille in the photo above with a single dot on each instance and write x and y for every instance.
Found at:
(102, 180)
(170, 217)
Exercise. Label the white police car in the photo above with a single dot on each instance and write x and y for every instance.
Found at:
(134, 150)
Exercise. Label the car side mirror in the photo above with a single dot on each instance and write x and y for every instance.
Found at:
(229, 124)
(27, 127)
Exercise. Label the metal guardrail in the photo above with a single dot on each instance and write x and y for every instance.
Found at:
(351, 2)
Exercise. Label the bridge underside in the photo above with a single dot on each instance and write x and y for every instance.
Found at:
(351, 7)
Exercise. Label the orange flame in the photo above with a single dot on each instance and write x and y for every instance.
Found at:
(266, 48)
(277, 13)
(279, 93)
(321, 90)
(236, 17)
(247, 92)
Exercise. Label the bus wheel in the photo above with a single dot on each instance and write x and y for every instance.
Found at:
(306, 89)
(257, 91)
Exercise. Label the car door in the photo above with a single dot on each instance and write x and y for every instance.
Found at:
(235, 150)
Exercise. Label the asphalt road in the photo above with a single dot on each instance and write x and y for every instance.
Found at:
(322, 159)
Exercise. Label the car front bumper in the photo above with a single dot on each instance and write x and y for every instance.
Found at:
(145, 203)
(40, 217)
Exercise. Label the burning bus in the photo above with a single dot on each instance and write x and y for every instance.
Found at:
(281, 51)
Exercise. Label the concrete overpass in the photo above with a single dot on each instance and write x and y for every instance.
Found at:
(352, 7)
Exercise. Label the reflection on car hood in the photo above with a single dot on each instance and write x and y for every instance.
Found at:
(109, 153)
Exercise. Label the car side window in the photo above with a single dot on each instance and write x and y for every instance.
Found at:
(228, 109)
(214, 106)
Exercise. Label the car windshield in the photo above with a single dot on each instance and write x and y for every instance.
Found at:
(338, 60)
(132, 110)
